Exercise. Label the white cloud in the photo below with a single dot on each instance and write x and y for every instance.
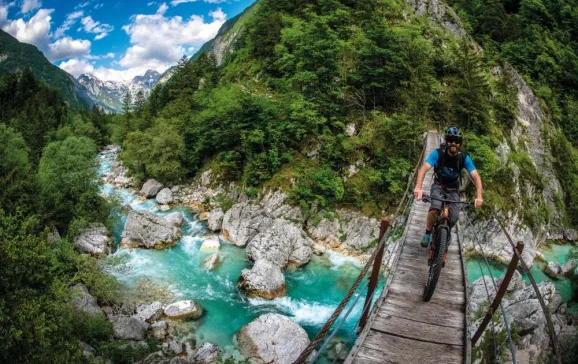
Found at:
(4, 13)
(98, 6)
(82, 5)
(151, 3)
(29, 5)
(34, 31)
(68, 22)
(96, 27)
(177, 2)
(67, 47)
(103, 56)
(76, 66)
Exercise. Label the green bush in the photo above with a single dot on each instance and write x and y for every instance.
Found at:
(318, 186)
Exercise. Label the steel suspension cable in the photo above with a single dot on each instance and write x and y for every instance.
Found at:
(493, 325)
(546, 310)
(503, 312)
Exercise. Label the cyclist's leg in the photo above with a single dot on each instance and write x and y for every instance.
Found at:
(432, 214)
(454, 195)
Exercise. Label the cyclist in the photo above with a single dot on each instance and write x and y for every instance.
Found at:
(448, 162)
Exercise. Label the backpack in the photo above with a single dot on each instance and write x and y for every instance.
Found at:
(442, 155)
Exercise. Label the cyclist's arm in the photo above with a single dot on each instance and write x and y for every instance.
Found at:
(418, 192)
(479, 189)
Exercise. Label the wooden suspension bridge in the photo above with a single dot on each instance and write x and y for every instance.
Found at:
(400, 327)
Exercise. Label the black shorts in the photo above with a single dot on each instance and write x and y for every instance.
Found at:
(448, 194)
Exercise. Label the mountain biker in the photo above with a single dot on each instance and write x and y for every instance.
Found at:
(448, 162)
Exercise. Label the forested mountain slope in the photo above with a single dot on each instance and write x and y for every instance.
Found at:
(16, 56)
(334, 96)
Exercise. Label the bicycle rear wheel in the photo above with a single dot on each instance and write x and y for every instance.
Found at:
(437, 264)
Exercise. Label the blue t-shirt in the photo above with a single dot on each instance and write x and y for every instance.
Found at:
(450, 171)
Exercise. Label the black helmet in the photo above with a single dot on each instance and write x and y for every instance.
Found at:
(454, 134)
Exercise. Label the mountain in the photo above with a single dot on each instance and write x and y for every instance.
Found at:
(110, 94)
(15, 56)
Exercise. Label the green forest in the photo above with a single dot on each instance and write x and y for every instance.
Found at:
(301, 72)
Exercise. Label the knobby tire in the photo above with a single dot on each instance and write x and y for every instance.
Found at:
(437, 263)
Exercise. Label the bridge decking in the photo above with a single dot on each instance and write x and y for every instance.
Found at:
(404, 329)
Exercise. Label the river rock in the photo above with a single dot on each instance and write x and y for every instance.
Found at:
(210, 243)
(151, 188)
(176, 218)
(150, 313)
(212, 262)
(87, 350)
(206, 354)
(569, 267)
(274, 203)
(164, 197)
(93, 240)
(145, 229)
(215, 220)
(160, 330)
(570, 235)
(243, 221)
(188, 309)
(272, 338)
(283, 244)
(82, 300)
(264, 280)
(129, 328)
(351, 228)
(553, 269)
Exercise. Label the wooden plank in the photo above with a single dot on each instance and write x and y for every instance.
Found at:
(401, 350)
(424, 268)
(370, 356)
(429, 312)
(451, 296)
(411, 291)
(414, 277)
(415, 330)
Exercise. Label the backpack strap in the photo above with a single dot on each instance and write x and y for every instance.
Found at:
(441, 160)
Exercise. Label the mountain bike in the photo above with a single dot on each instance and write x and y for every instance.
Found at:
(439, 244)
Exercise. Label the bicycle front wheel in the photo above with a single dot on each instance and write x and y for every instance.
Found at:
(437, 264)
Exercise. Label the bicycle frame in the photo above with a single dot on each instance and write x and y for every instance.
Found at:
(443, 222)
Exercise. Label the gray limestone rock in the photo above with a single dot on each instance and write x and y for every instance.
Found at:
(570, 235)
(212, 262)
(358, 231)
(151, 188)
(553, 269)
(87, 350)
(160, 330)
(176, 218)
(438, 12)
(243, 221)
(568, 267)
(129, 328)
(283, 244)
(274, 203)
(145, 229)
(264, 280)
(164, 197)
(187, 309)
(272, 338)
(207, 354)
(94, 240)
(82, 300)
(149, 313)
(215, 220)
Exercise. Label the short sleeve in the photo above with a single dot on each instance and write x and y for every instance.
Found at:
(432, 159)
(469, 164)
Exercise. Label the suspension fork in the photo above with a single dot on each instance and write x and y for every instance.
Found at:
(443, 223)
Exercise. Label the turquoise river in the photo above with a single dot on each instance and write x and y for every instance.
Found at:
(313, 291)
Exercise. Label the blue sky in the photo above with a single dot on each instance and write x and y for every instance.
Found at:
(116, 39)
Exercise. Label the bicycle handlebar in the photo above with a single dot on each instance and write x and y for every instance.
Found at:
(428, 198)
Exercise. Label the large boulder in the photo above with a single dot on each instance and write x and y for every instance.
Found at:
(570, 235)
(272, 338)
(212, 262)
(145, 229)
(210, 244)
(149, 313)
(264, 280)
(94, 240)
(84, 301)
(283, 244)
(207, 354)
(553, 269)
(349, 228)
(188, 309)
(243, 221)
(151, 188)
(129, 328)
(569, 267)
(215, 220)
(164, 197)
